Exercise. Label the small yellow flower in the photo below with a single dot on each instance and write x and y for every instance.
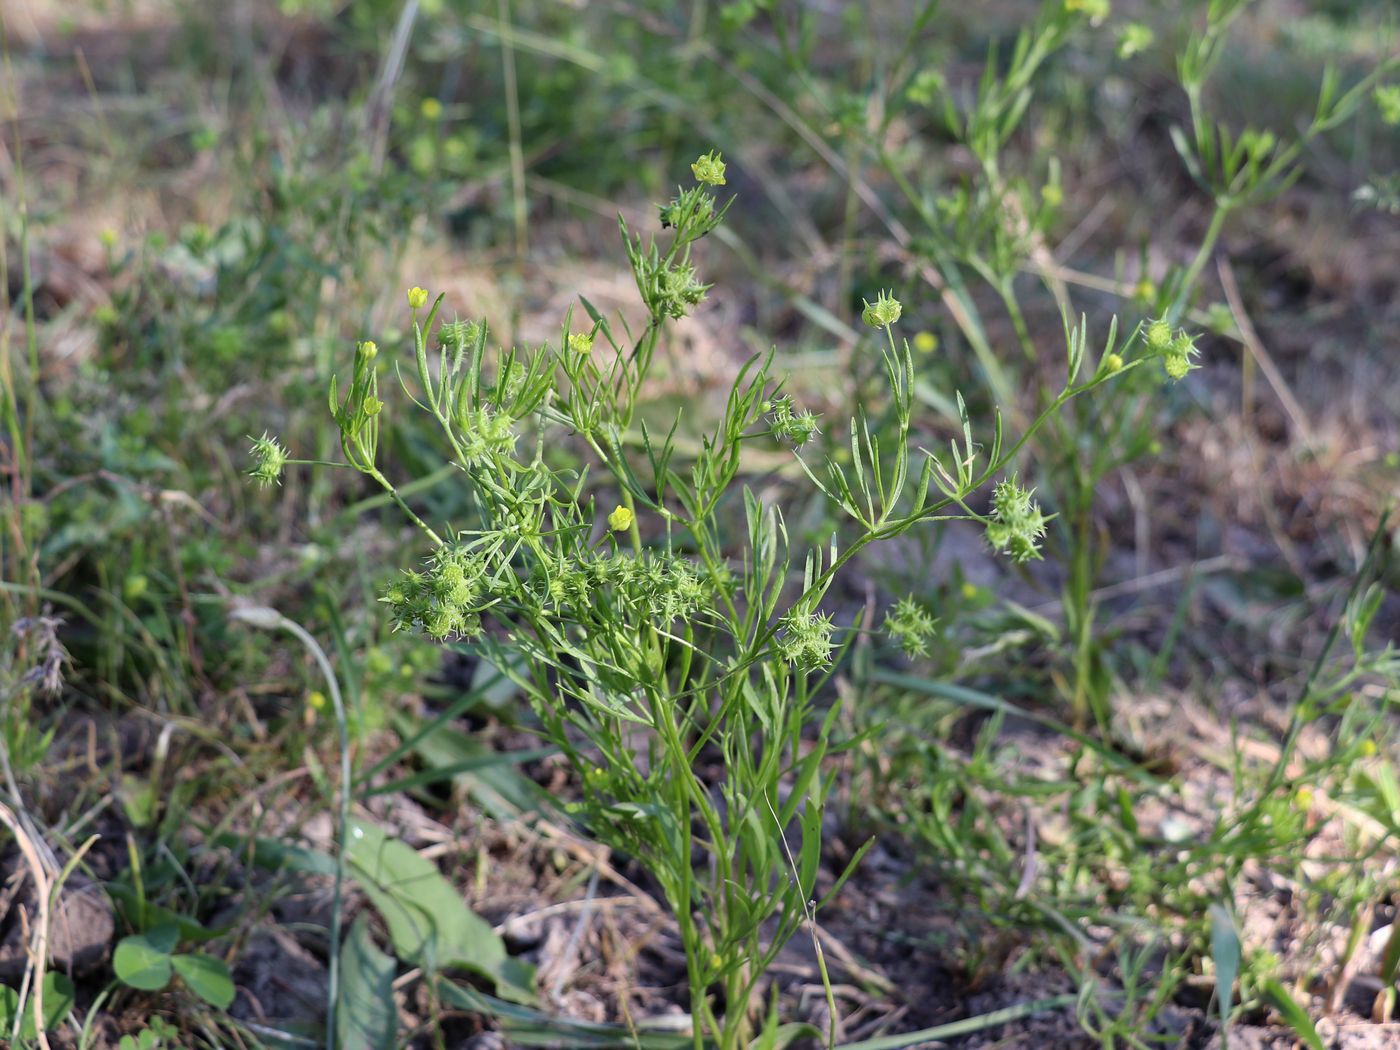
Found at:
(925, 342)
(316, 700)
(1368, 748)
(709, 169)
(108, 237)
(1145, 289)
(431, 108)
(969, 590)
(1305, 798)
(417, 298)
(1052, 195)
(621, 519)
(1113, 363)
(581, 342)
(369, 349)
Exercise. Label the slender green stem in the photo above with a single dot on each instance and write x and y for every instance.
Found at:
(394, 495)
(1217, 223)
(270, 619)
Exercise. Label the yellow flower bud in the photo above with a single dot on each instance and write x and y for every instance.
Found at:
(431, 108)
(1368, 748)
(417, 298)
(1113, 363)
(620, 520)
(925, 342)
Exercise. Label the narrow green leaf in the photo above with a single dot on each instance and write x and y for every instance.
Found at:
(1293, 1014)
(527, 1026)
(965, 1026)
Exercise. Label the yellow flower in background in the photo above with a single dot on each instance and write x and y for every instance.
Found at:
(621, 519)
(431, 108)
(925, 342)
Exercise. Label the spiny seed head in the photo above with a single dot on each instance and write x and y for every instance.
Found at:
(793, 428)
(621, 519)
(806, 639)
(910, 627)
(679, 289)
(458, 335)
(1179, 356)
(1017, 524)
(269, 460)
(709, 169)
(883, 312)
(1159, 336)
(417, 298)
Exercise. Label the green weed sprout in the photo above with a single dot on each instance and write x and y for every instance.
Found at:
(668, 633)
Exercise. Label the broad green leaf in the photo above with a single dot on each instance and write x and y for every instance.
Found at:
(206, 976)
(1225, 950)
(143, 959)
(429, 923)
(58, 1003)
(365, 1015)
